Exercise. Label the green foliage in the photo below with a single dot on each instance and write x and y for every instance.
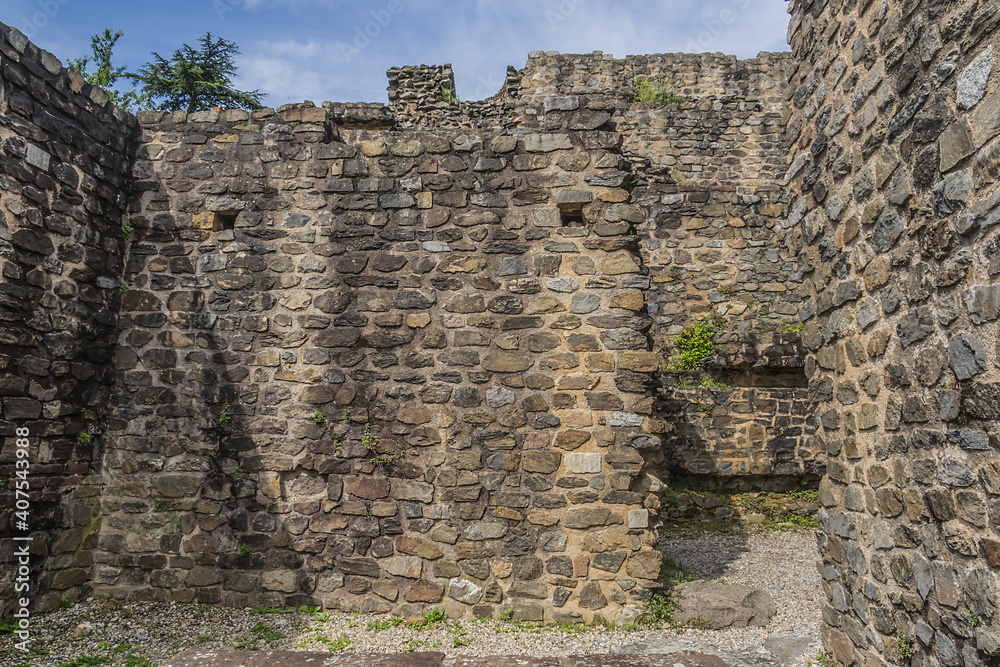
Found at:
(333, 645)
(506, 615)
(318, 417)
(378, 625)
(127, 229)
(973, 618)
(137, 661)
(696, 342)
(196, 79)
(904, 647)
(66, 603)
(347, 415)
(661, 606)
(672, 572)
(805, 495)
(706, 409)
(123, 286)
(661, 92)
(81, 660)
(106, 74)
(792, 327)
(224, 416)
(245, 550)
(429, 619)
(267, 633)
(85, 439)
(370, 443)
(712, 383)
(448, 94)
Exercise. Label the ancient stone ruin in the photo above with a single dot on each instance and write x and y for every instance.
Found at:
(381, 357)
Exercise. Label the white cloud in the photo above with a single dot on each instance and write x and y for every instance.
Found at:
(480, 38)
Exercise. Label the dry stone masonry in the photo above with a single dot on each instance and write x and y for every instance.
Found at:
(386, 357)
(892, 131)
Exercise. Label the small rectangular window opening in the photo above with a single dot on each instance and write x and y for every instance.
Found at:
(224, 220)
(571, 216)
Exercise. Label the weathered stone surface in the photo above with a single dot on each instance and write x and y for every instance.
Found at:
(717, 606)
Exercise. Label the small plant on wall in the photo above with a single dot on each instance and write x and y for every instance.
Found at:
(661, 92)
(695, 344)
(370, 443)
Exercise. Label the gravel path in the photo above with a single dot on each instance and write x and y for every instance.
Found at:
(141, 634)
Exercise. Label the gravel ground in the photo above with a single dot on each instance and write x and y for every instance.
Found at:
(142, 634)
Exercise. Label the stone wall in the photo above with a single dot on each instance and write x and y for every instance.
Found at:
(893, 125)
(381, 357)
(372, 370)
(65, 163)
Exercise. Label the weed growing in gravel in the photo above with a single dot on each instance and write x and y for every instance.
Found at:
(267, 633)
(378, 625)
(429, 619)
(85, 660)
(506, 615)
(333, 645)
(137, 661)
(202, 638)
(66, 603)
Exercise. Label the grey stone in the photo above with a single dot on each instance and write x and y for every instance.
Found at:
(36, 157)
(511, 266)
(564, 284)
(546, 143)
(436, 246)
(970, 439)
(955, 144)
(465, 591)
(718, 606)
(887, 230)
(955, 473)
(585, 303)
(946, 650)
(922, 575)
(582, 463)
(966, 356)
(564, 103)
(973, 79)
(497, 397)
(485, 530)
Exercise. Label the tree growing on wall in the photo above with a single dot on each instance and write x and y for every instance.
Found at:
(106, 75)
(196, 79)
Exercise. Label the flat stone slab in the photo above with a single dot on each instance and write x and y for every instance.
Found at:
(211, 658)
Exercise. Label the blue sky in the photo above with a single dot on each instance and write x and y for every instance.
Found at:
(339, 50)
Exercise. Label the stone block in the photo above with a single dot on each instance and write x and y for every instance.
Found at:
(582, 463)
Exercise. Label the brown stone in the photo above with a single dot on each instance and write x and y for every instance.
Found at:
(506, 362)
(417, 547)
(367, 487)
(425, 591)
(571, 439)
